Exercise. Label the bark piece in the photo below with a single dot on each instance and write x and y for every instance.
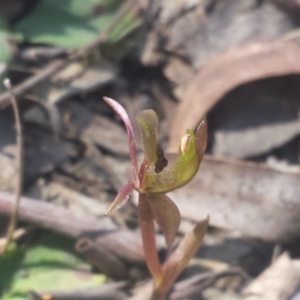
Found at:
(279, 281)
(95, 128)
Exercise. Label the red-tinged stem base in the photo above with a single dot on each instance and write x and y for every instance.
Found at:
(158, 296)
(148, 237)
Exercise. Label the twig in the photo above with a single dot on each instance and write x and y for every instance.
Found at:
(32, 81)
(57, 65)
(190, 287)
(195, 286)
(100, 160)
(52, 111)
(99, 257)
(61, 220)
(15, 213)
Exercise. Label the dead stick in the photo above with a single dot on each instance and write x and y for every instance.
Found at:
(14, 216)
(99, 257)
(195, 286)
(32, 81)
(61, 220)
(52, 111)
(57, 65)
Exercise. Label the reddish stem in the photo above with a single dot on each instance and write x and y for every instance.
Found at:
(148, 237)
(156, 295)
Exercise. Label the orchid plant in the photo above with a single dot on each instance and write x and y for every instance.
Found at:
(152, 181)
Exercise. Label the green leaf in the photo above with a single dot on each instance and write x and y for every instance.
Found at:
(15, 296)
(73, 23)
(6, 52)
(9, 265)
(166, 215)
(8, 43)
(50, 264)
(124, 27)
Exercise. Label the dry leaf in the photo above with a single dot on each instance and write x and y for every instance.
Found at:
(229, 70)
(279, 281)
(266, 119)
(75, 78)
(95, 128)
(253, 199)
